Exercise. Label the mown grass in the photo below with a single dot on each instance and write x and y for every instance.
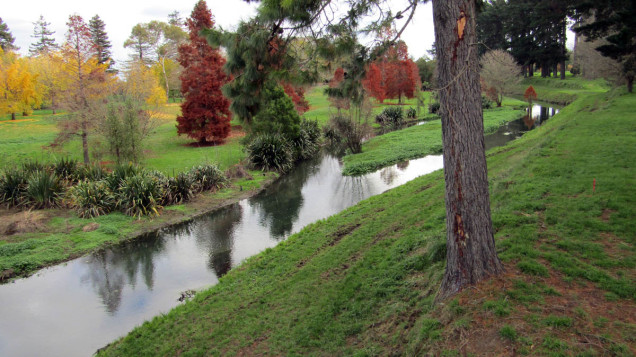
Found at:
(554, 90)
(417, 141)
(362, 282)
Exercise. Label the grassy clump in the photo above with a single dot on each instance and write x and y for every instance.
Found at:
(92, 199)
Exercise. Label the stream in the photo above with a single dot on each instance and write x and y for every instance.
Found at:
(75, 308)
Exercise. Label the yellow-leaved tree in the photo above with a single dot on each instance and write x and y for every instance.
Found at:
(51, 79)
(143, 86)
(87, 85)
(19, 93)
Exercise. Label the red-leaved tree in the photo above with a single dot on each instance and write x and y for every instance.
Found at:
(373, 83)
(297, 95)
(339, 103)
(205, 114)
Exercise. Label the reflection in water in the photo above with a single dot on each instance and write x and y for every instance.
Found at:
(515, 129)
(109, 270)
(280, 211)
(402, 165)
(388, 175)
(214, 234)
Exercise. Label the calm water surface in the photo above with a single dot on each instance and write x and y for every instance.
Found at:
(75, 308)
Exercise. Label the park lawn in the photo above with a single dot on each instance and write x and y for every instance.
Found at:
(417, 141)
(320, 110)
(362, 282)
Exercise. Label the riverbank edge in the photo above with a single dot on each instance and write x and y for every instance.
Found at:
(338, 248)
(200, 205)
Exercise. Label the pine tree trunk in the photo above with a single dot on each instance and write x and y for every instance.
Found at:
(12, 116)
(531, 70)
(470, 254)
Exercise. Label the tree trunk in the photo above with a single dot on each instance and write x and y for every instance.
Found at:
(85, 142)
(563, 37)
(470, 244)
(630, 84)
(12, 116)
(555, 70)
(531, 70)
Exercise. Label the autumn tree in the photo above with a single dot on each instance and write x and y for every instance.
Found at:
(44, 42)
(142, 85)
(87, 84)
(338, 102)
(374, 84)
(19, 85)
(205, 114)
(50, 76)
(499, 70)
(101, 43)
(297, 95)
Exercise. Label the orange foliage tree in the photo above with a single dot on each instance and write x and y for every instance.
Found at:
(206, 112)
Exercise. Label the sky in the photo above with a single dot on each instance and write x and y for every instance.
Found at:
(120, 16)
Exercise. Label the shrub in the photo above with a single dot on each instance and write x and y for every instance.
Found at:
(91, 198)
(139, 195)
(350, 132)
(308, 142)
(207, 177)
(434, 108)
(13, 184)
(391, 117)
(277, 115)
(486, 103)
(411, 113)
(32, 166)
(43, 189)
(270, 152)
(119, 175)
(178, 189)
(66, 169)
(91, 173)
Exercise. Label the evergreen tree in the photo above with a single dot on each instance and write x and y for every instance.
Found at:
(205, 112)
(491, 30)
(44, 42)
(100, 40)
(615, 22)
(6, 39)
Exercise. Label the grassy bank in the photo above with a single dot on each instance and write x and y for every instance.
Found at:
(34, 239)
(557, 91)
(362, 282)
(417, 141)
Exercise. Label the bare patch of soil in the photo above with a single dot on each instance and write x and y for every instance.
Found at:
(21, 222)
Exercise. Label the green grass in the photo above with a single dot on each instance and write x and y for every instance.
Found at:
(362, 282)
(555, 90)
(416, 141)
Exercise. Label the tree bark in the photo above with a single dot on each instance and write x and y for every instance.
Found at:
(85, 142)
(470, 244)
(12, 116)
(630, 84)
(531, 70)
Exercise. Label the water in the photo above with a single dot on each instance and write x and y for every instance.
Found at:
(516, 128)
(75, 308)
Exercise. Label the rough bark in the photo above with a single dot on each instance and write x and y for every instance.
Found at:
(470, 255)
(85, 142)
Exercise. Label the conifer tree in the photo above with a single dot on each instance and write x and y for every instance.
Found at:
(205, 112)
(6, 39)
(101, 41)
(44, 42)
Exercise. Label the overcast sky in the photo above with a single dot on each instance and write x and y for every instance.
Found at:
(120, 16)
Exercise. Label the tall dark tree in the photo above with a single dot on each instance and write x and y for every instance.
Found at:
(491, 26)
(206, 112)
(614, 21)
(44, 42)
(470, 244)
(6, 39)
(101, 41)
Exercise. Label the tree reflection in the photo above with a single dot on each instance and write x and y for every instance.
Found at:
(215, 234)
(388, 175)
(110, 270)
(279, 205)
